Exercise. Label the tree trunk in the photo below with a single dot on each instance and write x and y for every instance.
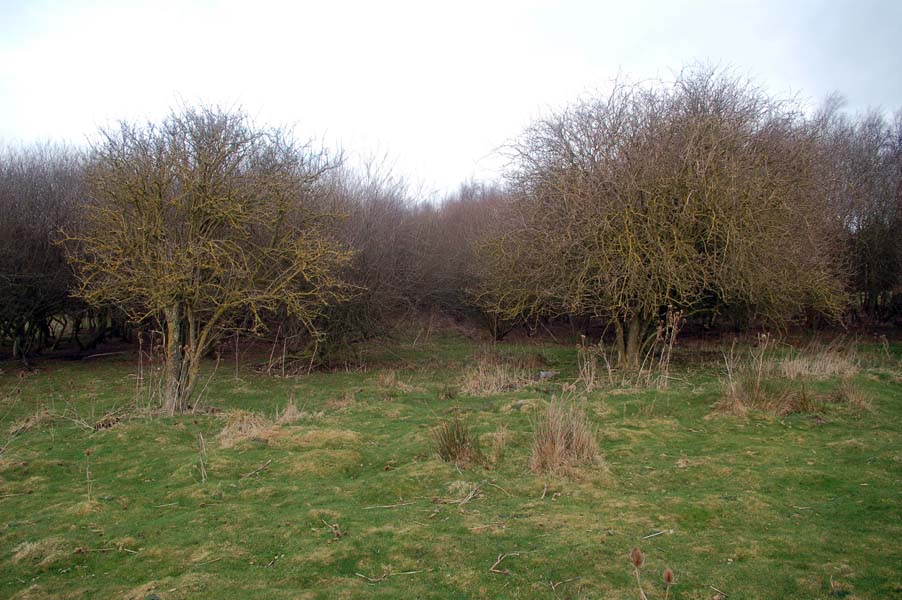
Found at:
(184, 351)
(174, 361)
(629, 342)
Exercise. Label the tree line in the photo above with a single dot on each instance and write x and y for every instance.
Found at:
(704, 197)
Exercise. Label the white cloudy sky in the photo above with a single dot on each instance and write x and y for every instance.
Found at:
(436, 85)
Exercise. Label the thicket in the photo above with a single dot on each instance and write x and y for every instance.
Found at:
(703, 197)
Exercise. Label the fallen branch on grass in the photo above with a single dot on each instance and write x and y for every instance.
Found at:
(335, 529)
(274, 559)
(499, 487)
(387, 505)
(722, 593)
(388, 574)
(657, 533)
(16, 494)
(494, 568)
(474, 493)
(81, 550)
(257, 470)
(554, 585)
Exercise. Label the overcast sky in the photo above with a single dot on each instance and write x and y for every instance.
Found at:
(438, 86)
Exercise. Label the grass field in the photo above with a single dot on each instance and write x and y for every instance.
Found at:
(345, 496)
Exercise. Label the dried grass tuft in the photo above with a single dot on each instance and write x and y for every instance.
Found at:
(564, 438)
(497, 444)
(390, 380)
(777, 396)
(818, 361)
(456, 442)
(488, 379)
(778, 385)
(243, 425)
(42, 553)
(850, 394)
(292, 414)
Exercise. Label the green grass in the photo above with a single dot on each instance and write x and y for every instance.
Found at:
(756, 506)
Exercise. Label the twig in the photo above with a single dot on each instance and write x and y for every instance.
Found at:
(387, 505)
(274, 559)
(257, 470)
(207, 562)
(335, 528)
(388, 574)
(544, 491)
(81, 550)
(494, 568)
(460, 501)
(499, 487)
(209, 379)
(16, 494)
(165, 505)
(203, 454)
(102, 354)
(725, 595)
(473, 494)
(554, 585)
(487, 525)
(657, 533)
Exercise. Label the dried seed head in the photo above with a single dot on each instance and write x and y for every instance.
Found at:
(637, 557)
(668, 577)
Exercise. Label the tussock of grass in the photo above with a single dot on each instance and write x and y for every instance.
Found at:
(455, 442)
(777, 385)
(778, 396)
(292, 414)
(390, 381)
(243, 425)
(42, 552)
(564, 438)
(817, 362)
(487, 379)
(850, 394)
(497, 443)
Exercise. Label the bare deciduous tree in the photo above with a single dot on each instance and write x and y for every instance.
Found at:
(700, 193)
(200, 218)
(39, 190)
(864, 157)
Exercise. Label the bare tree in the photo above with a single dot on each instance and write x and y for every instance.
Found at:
(703, 192)
(202, 219)
(39, 189)
(864, 156)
